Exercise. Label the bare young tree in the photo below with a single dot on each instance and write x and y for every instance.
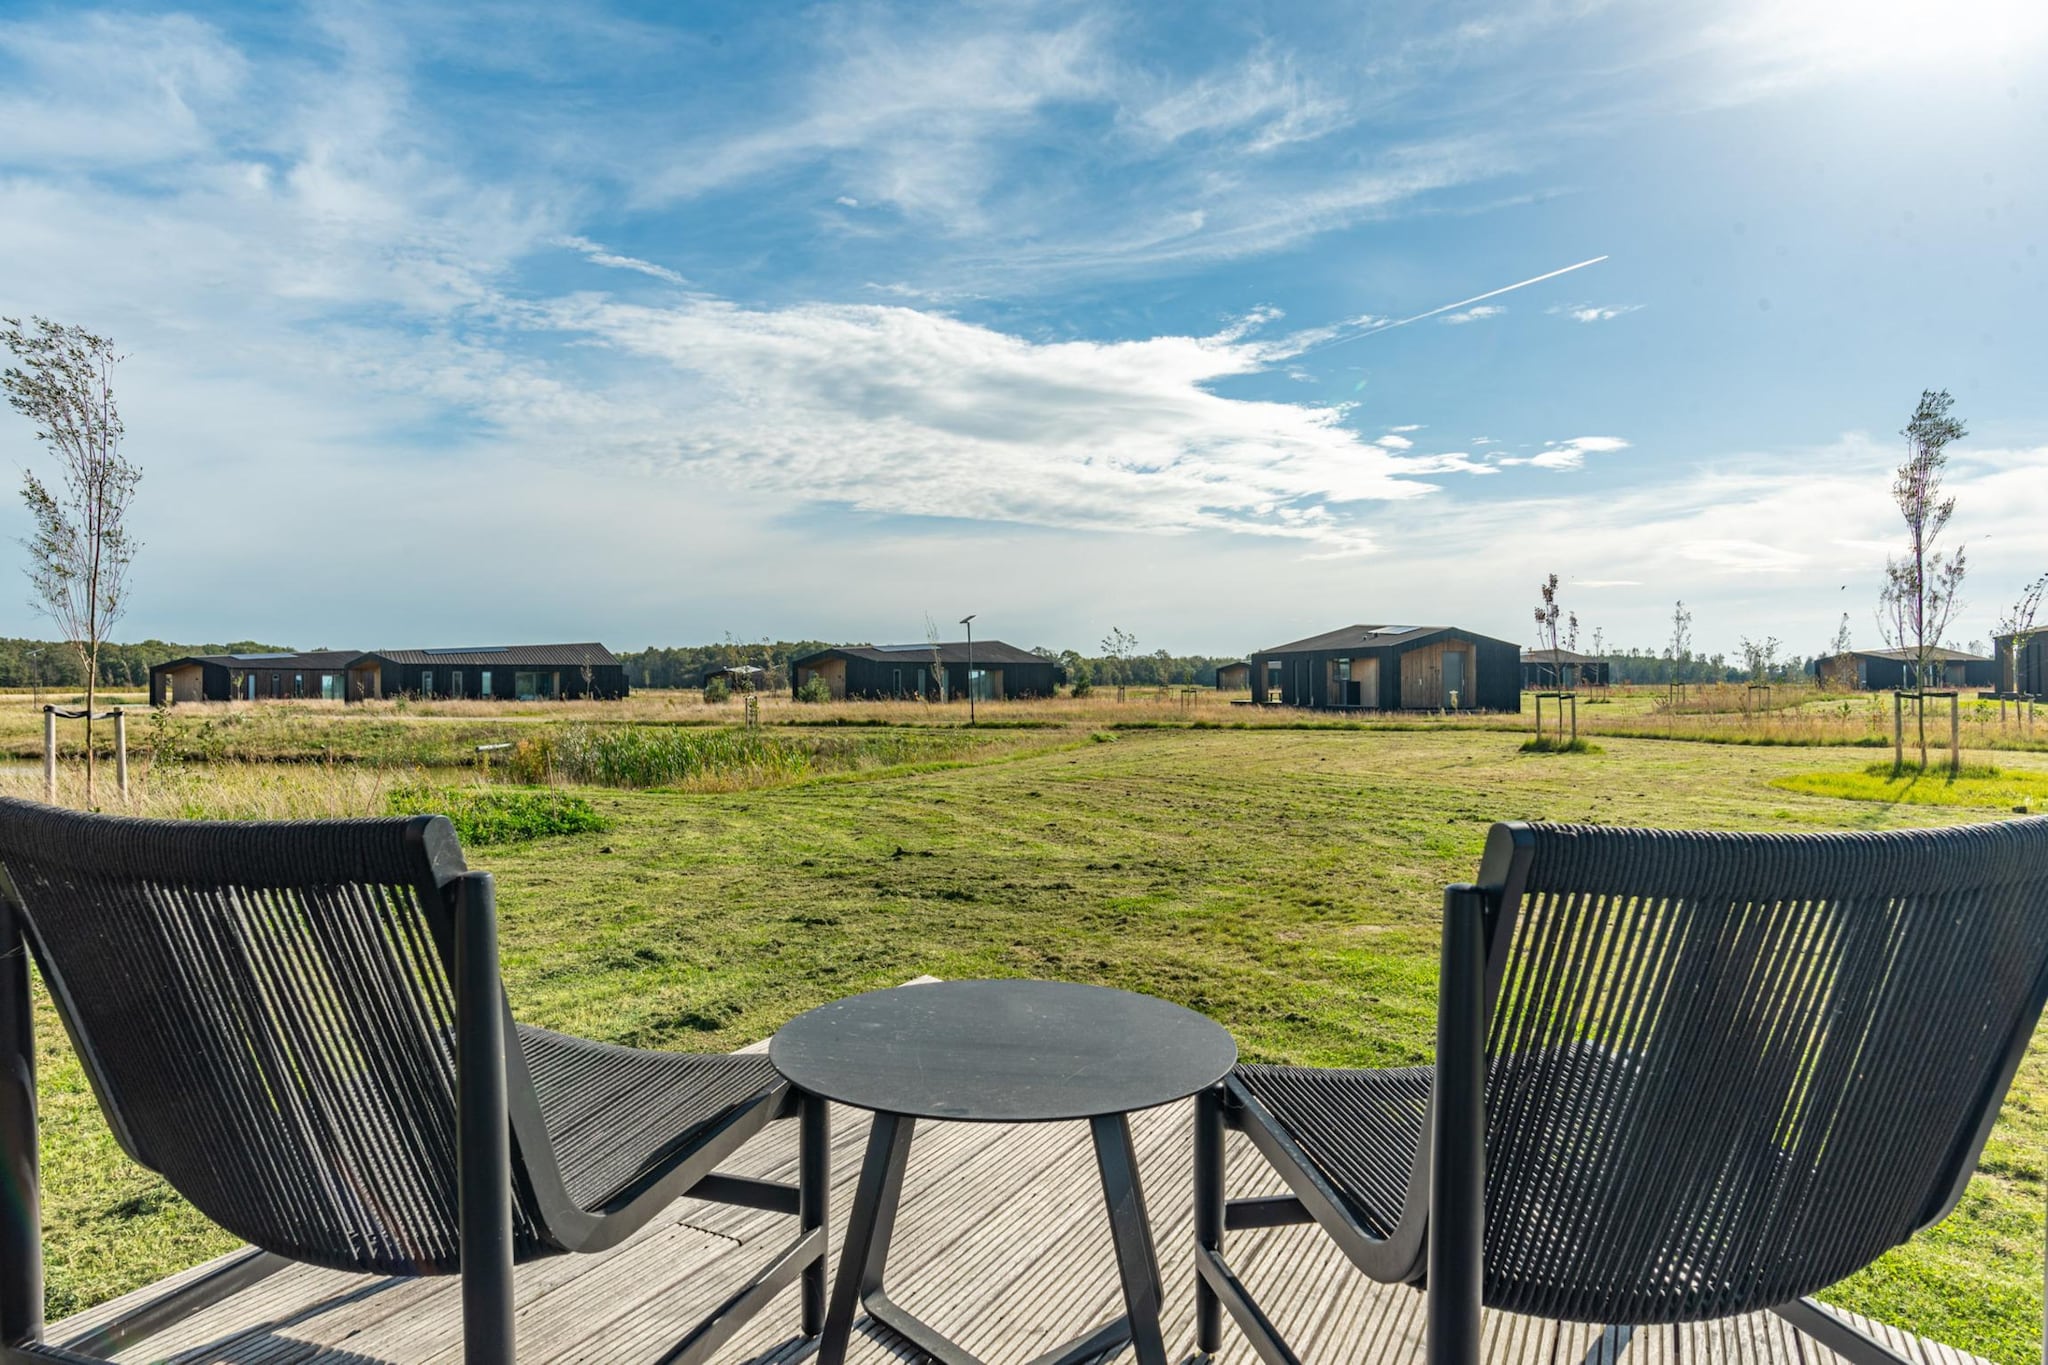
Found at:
(931, 638)
(1118, 646)
(1923, 587)
(81, 552)
(1548, 613)
(1681, 639)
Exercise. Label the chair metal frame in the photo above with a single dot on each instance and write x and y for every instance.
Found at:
(496, 1105)
(1437, 1244)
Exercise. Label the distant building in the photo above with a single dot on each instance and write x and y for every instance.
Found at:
(504, 672)
(1392, 668)
(316, 674)
(1554, 670)
(880, 672)
(1235, 677)
(1883, 670)
(2027, 673)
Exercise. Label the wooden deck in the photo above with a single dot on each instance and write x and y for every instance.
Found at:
(1001, 1242)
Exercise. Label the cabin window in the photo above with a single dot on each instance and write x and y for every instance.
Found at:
(298, 684)
(455, 683)
(896, 681)
(980, 685)
(533, 686)
(483, 683)
(330, 686)
(426, 682)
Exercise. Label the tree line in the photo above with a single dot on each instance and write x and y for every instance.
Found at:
(687, 665)
(55, 663)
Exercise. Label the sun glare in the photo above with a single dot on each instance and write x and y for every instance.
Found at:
(1853, 33)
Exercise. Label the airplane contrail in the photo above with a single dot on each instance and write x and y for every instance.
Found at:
(1476, 298)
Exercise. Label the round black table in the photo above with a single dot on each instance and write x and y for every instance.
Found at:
(999, 1052)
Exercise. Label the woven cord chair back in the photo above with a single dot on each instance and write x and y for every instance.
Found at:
(265, 1014)
(1727, 1070)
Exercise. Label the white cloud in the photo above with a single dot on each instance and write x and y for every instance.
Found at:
(894, 411)
(1479, 314)
(1593, 312)
(1570, 454)
(598, 255)
(1264, 103)
(1412, 426)
(847, 201)
(1393, 442)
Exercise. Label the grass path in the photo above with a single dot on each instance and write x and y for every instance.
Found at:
(1285, 882)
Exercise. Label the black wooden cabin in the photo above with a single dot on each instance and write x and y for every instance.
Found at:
(1885, 670)
(1392, 668)
(884, 672)
(2023, 672)
(502, 672)
(316, 675)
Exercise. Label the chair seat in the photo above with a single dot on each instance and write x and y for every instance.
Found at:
(615, 1114)
(1358, 1128)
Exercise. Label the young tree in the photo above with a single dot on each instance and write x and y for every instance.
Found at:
(931, 638)
(1760, 658)
(1117, 648)
(1681, 639)
(1923, 587)
(80, 553)
(1548, 613)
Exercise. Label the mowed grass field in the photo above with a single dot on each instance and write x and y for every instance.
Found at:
(1285, 882)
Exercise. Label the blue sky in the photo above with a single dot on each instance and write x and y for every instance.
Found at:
(657, 324)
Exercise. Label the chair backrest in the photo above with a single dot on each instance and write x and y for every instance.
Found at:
(264, 1011)
(1727, 1070)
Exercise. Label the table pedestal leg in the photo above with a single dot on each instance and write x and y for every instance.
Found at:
(870, 1222)
(1136, 1261)
(864, 1257)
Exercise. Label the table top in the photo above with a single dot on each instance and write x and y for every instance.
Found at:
(1002, 1051)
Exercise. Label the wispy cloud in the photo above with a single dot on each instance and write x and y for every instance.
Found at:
(1568, 454)
(1593, 312)
(1479, 314)
(598, 255)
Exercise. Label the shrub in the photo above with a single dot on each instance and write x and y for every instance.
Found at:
(499, 817)
(716, 691)
(1551, 744)
(814, 690)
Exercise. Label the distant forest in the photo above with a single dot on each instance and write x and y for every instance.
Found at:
(51, 663)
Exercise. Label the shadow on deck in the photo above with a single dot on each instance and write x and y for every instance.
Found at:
(1002, 1242)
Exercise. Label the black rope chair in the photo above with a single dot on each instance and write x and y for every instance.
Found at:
(301, 1026)
(1678, 1077)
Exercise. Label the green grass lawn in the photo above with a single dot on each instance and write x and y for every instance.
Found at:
(1981, 786)
(1285, 882)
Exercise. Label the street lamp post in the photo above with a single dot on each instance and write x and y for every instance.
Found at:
(968, 621)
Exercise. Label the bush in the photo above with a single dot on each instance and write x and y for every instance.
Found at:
(814, 690)
(1551, 744)
(499, 817)
(717, 691)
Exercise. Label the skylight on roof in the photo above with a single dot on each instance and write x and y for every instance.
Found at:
(902, 649)
(1391, 630)
(470, 649)
(250, 658)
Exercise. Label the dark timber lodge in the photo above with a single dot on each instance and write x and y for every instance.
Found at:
(889, 671)
(1391, 668)
(498, 672)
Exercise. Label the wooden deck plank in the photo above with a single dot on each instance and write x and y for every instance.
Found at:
(1001, 1241)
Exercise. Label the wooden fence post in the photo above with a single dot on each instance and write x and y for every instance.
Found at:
(1955, 734)
(1898, 732)
(50, 754)
(121, 748)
